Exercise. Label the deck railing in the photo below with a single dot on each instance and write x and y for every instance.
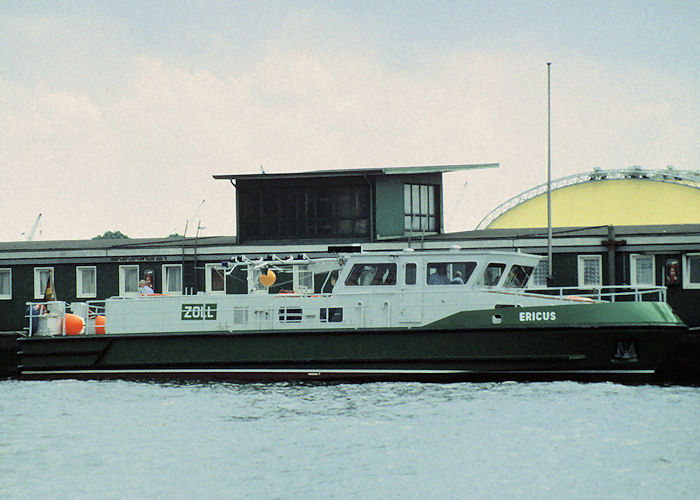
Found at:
(608, 293)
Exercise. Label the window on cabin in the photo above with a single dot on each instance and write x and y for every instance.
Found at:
(289, 314)
(589, 271)
(328, 211)
(420, 208)
(172, 279)
(493, 273)
(642, 270)
(372, 275)
(215, 278)
(5, 284)
(44, 283)
(449, 273)
(331, 314)
(518, 276)
(85, 282)
(691, 271)
(410, 277)
(128, 280)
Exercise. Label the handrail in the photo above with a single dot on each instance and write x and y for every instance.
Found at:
(606, 293)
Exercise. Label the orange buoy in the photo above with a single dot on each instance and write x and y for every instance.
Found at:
(100, 325)
(74, 324)
(268, 279)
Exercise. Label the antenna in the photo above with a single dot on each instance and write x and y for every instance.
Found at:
(549, 178)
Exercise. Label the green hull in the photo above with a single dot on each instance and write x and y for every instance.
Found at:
(626, 342)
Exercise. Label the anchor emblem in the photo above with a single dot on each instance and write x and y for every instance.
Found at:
(626, 351)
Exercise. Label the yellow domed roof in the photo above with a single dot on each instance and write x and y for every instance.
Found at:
(621, 197)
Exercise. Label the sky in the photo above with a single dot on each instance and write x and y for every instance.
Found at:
(114, 115)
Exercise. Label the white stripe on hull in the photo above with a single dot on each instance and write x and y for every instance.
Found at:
(321, 372)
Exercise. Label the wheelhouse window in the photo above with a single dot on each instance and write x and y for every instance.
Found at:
(128, 280)
(493, 273)
(540, 274)
(410, 275)
(44, 285)
(5, 284)
(691, 271)
(420, 208)
(86, 282)
(172, 279)
(449, 273)
(372, 275)
(215, 278)
(518, 276)
(590, 271)
(642, 270)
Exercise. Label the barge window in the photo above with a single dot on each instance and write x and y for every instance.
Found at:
(5, 284)
(493, 273)
(589, 271)
(86, 282)
(172, 279)
(128, 280)
(331, 314)
(420, 207)
(215, 278)
(289, 315)
(371, 275)
(43, 283)
(518, 276)
(691, 271)
(449, 273)
(642, 270)
(411, 270)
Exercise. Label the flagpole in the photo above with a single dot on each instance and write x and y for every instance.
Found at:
(549, 179)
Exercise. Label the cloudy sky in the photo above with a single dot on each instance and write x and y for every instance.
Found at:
(115, 115)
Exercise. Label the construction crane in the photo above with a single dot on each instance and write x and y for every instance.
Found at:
(30, 236)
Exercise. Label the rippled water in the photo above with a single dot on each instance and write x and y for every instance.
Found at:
(72, 439)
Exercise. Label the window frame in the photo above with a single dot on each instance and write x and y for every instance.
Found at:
(165, 281)
(38, 292)
(122, 280)
(633, 269)
(686, 271)
(420, 205)
(6, 296)
(581, 263)
(79, 292)
(208, 268)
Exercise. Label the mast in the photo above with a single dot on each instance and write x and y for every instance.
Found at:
(549, 179)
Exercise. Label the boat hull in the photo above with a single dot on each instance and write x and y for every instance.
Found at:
(616, 353)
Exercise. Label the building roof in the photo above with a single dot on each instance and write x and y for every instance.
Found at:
(425, 169)
(633, 196)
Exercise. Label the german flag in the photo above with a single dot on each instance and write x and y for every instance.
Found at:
(48, 292)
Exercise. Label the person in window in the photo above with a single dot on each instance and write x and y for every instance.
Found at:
(144, 288)
(366, 276)
(439, 277)
(457, 280)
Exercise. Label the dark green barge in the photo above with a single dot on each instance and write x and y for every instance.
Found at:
(419, 316)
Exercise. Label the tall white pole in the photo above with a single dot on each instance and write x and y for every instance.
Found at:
(549, 178)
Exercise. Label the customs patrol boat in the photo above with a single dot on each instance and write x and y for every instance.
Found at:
(442, 315)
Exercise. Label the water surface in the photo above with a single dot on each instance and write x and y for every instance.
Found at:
(119, 439)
